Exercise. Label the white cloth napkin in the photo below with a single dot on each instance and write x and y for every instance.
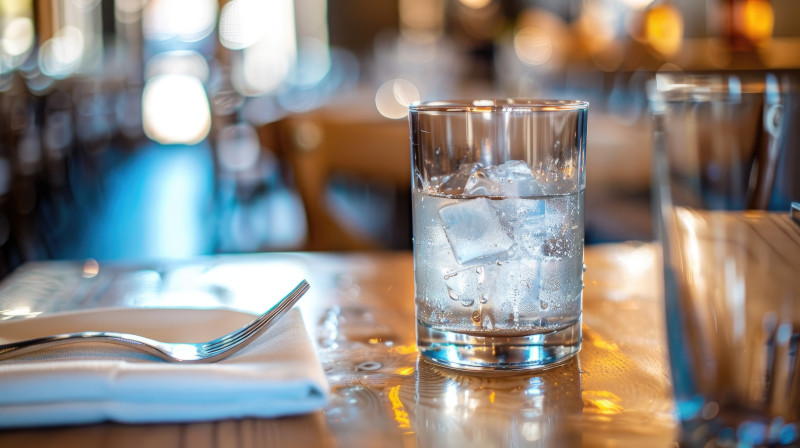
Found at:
(277, 375)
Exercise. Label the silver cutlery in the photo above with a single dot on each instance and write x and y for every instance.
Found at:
(202, 352)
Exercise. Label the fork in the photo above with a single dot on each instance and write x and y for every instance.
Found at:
(202, 352)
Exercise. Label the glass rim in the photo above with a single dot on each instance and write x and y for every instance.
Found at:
(495, 105)
(682, 86)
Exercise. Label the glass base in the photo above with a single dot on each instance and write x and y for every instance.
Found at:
(473, 352)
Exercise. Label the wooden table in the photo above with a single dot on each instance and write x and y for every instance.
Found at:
(360, 313)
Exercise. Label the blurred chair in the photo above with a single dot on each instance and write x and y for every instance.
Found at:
(344, 141)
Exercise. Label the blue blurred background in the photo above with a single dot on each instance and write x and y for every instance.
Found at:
(141, 129)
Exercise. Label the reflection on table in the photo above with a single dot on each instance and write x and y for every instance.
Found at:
(360, 314)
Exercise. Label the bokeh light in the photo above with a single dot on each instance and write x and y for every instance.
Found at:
(533, 46)
(597, 26)
(17, 37)
(187, 20)
(308, 135)
(394, 97)
(190, 63)
(475, 4)
(543, 40)
(241, 23)
(664, 29)
(265, 67)
(61, 55)
(758, 18)
(264, 64)
(175, 109)
(90, 268)
(637, 4)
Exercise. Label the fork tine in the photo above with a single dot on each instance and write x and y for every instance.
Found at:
(253, 327)
(251, 330)
(262, 320)
(226, 343)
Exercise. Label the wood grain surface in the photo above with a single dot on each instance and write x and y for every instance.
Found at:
(360, 314)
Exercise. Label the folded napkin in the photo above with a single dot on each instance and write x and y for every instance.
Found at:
(276, 375)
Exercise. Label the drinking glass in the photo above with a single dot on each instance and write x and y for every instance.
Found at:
(726, 170)
(498, 217)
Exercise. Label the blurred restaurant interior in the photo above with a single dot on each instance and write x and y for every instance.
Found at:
(141, 129)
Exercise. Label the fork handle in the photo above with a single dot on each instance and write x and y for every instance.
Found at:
(135, 342)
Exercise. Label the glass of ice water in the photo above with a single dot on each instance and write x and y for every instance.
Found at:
(498, 215)
(727, 171)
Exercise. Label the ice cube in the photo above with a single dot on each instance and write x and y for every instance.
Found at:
(474, 230)
(524, 218)
(475, 288)
(529, 223)
(465, 284)
(511, 179)
(455, 183)
(519, 289)
(531, 213)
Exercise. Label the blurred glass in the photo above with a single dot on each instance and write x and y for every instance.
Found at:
(725, 166)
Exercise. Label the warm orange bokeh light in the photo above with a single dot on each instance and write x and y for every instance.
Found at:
(664, 29)
(758, 19)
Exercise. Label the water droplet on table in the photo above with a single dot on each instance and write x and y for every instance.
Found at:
(369, 365)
